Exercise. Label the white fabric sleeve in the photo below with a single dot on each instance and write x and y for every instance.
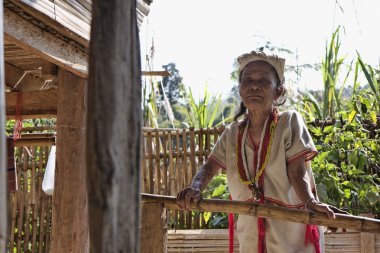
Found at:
(218, 153)
(298, 141)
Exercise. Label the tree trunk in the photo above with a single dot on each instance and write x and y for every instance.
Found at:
(114, 120)
(3, 157)
(70, 205)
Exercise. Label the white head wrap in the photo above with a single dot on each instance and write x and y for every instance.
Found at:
(277, 63)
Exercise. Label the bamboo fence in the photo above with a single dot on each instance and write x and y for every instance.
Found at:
(171, 157)
(29, 207)
(170, 160)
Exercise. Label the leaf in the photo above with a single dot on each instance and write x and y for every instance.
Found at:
(206, 216)
(372, 114)
(220, 190)
(351, 116)
(347, 193)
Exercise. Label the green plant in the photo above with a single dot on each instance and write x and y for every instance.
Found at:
(374, 85)
(331, 68)
(218, 189)
(347, 168)
(203, 113)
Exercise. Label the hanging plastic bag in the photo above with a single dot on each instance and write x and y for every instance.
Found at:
(48, 181)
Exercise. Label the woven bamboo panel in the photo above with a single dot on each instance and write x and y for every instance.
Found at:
(30, 207)
(216, 240)
(200, 240)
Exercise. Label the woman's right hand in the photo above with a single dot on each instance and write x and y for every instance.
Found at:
(188, 195)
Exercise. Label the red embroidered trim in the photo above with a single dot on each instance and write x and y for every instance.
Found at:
(308, 153)
(280, 203)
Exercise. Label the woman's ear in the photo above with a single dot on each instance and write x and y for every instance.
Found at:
(280, 91)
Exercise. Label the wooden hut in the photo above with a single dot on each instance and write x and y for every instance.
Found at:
(46, 62)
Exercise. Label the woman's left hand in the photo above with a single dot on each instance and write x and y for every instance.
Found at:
(321, 207)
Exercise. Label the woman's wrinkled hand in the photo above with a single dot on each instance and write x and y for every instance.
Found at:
(188, 195)
(322, 208)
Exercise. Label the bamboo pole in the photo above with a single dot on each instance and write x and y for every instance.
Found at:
(357, 223)
(150, 164)
(165, 166)
(157, 165)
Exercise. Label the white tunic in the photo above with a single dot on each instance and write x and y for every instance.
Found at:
(291, 140)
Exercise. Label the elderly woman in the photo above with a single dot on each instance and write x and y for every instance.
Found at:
(266, 156)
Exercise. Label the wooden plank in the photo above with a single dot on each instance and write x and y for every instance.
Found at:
(45, 45)
(153, 228)
(155, 73)
(70, 210)
(367, 243)
(33, 104)
(114, 102)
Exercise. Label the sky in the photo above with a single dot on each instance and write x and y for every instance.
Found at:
(204, 37)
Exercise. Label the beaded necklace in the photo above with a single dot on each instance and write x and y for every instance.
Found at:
(267, 134)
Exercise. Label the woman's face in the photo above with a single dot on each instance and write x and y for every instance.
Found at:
(258, 86)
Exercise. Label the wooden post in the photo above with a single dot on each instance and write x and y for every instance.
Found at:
(367, 240)
(153, 228)
(114, 126)
(70, 210)
(3, 157)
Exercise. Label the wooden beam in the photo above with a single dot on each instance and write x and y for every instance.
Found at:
(19, 80)
(155, 73)
(70, 212)
(42, 141)
(43, 44)
(3, 152)
(114, 117)
(34, 104)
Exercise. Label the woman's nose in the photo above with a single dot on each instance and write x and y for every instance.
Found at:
(254, 88)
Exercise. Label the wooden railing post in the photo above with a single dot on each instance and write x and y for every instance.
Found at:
(367, 240)
(153, 228)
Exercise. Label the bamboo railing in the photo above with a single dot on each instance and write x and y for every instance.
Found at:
(357, 223)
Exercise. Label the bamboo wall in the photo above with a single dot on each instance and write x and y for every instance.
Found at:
(30, 207)
(170, 160)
